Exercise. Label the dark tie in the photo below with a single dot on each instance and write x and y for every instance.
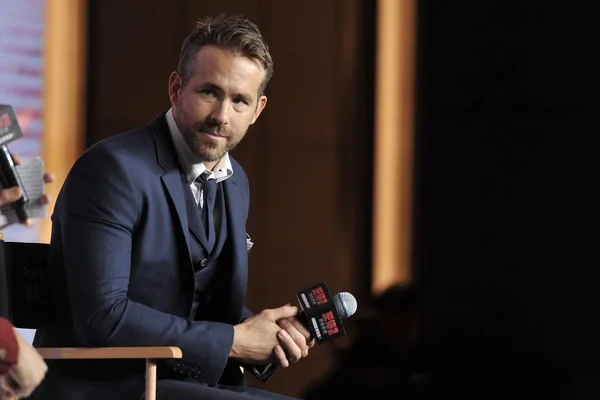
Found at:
(209, 193)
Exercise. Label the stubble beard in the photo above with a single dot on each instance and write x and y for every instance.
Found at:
(207, 149)
(202, 146)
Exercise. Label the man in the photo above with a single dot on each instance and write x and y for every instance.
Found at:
(21, 367)
(149, 244)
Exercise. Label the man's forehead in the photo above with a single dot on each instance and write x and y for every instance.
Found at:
(214, 59)
(229, 70)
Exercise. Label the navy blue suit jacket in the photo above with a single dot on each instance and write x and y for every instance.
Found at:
(120, 258)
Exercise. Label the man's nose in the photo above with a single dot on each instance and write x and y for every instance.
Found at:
(220, 112)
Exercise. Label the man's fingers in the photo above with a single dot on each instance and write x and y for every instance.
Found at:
(301, 328)
(296, 332)
(283, 312)
(281, 357)
(10, 195)
(291, 348)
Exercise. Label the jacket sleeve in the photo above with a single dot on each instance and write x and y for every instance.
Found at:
(9, 347)
(98, 210)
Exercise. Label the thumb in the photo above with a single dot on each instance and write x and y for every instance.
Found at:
(10, 195)
(286, 311)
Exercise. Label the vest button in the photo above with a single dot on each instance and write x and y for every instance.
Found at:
(204, 262)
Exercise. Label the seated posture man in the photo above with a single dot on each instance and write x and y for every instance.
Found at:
(149, 244)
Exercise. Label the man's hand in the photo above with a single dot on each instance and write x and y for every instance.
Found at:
(294, 342)
(10, 195)
(255, 339)
(26, 374)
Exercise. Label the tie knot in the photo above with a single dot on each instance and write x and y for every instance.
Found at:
(209, 186)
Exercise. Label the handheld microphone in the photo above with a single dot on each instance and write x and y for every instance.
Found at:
(9, 131)
(323, 314)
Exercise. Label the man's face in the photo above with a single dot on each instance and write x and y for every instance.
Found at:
(216, 106)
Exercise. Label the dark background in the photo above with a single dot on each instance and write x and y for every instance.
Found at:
(507, 104)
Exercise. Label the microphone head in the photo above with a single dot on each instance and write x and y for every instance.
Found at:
(345, 303)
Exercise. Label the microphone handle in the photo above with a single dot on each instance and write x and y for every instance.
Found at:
(10, 178)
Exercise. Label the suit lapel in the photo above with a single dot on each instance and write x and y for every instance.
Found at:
(172, 183)
(172, 177)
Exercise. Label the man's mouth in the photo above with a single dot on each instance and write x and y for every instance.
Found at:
(213, 133)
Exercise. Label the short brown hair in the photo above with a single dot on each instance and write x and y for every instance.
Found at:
(231, 32)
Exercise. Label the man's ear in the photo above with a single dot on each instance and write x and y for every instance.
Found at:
(262, 103)
(174, 87)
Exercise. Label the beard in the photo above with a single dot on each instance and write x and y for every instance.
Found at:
(203, 146)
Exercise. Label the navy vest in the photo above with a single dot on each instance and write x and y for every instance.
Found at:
(206, 261)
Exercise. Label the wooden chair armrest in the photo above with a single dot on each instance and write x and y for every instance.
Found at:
(65, 353)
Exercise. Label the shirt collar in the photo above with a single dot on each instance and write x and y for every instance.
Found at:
(192, 168)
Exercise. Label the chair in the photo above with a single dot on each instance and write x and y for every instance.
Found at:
(26, 300)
